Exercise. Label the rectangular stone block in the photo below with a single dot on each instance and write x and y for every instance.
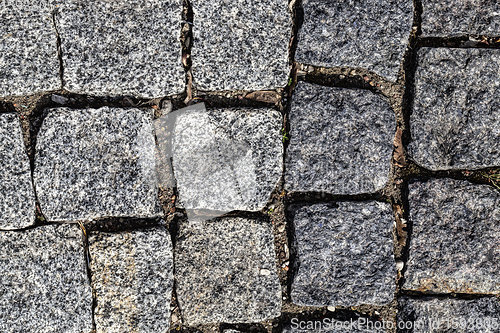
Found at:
(121, 47)
(455, 121)
(368, 34)
(454, 243)
(442, 18)
(225, 271)
(240, 45)
(17, 198)
(132, 277)
(344, 254)
(96, 163)
(44, 286)
(341, 140)
(29, 62)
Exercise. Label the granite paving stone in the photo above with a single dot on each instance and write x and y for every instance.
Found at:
(454, 243)
(240, 45)
(132, 276)
(121, 47)
(225, 271)
(455, 121)
(227, 159)
(96, 163)
(44, 286)
(29, 62)
(17, 198)
(369, 34)
(444, 18)
(344, 254)
(480, 315)
(340, 140)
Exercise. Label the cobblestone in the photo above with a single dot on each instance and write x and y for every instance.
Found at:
(455, 236)
(344, 254)
(340, 140)
(17, 199)
(455, 121)
(77, 147)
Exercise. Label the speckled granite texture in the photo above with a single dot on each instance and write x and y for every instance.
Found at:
(344, 254)
(455, 121)
(132, 275)
(444, 18)
(17, 199)
(340, 140)
(43, 281)
(96, 163)
(121, 47)
(450, 315)
(227, 159)
(369, 34)
(240, 44)
(29, 62)
(454, 245)
(226, 271)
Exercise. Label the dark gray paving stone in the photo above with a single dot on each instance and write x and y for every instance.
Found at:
(449, 315)
(369, 34)
(240, 44)
(443, 18)
(29, 61)
(132, 276)
(340, 140)
(43, 281)
(455, 121)
(225, 271)
(17, 199)
(344, 254)
(227, 159)
(121, 47)
(454, 243)
(96, 163)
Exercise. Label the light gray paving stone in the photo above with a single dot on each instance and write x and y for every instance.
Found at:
(240, 44)
(455, 121)
(29, 61)
(132, 276)
(340, 140)
(96, 163)
(344, 254)
(225, 271)
(449, 315)
(454, 243)
(227, 159)
(44, 286)
(442, 18)
(369, 34)
(17, 199)
(121, 47)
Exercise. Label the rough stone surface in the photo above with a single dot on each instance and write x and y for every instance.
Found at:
(17, 199)
(95, 163)
(121, 47)
(369, 34)
(344, 254)
(450, 315)
(227, 159)
(454, 243)
(444, 18)
(29, 62)
(132, 275)
(240, 44)
(43, 281)
(340, 140)
(455, 121)
(225, 271)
